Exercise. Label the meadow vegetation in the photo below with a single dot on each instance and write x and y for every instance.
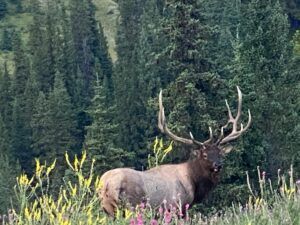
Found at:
(77, 201)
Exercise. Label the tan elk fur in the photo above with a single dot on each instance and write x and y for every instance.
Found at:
(184, 183)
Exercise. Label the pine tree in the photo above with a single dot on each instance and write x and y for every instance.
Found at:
(102, 134)
(19, 133)
(6, 97)
(6, 42)
(40, 124)
(62, 124)
(192, 82)
(4, 138)
(3, 8)
(130, 110)
(8, 172)
(262, 69)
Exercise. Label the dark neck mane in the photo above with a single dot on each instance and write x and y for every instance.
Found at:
(203, 180)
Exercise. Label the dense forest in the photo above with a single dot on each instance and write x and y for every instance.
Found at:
(63, 88)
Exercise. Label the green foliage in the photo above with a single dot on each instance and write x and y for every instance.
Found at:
(78, 202)
(8, 171)
(101, 135)
(3, 8)
(262, 62)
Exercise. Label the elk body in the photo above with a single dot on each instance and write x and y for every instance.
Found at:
(187, 182)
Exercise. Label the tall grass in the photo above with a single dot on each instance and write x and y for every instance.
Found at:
(77, 202)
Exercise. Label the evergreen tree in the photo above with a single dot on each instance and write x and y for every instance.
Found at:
(41, 46)
(20, 135)
(3, 8)
(21, 63)
(8, 172)
(54, 126)
(6, 97)
(40, 128)
(62, 127)
(130, 110)
(262, 68)
(102, 134)
(4, 138)
(192, 82)
(6, 40)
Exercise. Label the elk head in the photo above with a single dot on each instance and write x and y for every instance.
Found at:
(210, 152)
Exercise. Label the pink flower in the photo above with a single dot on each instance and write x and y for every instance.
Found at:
(153, 222)
(142, 205)
(168, 217)
(187, 206)
(132, 222)
(140, 219)
(160, 210)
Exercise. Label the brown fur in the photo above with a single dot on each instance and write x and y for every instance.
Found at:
(188, 182)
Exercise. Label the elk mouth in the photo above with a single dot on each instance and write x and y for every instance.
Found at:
(216, 169)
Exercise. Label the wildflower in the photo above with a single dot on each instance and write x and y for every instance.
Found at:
(187, 206)
(50, 168)
(139, 219)
(167, 217)
(128, 214)
(132, 222)
(160, 210)
(153, 222)
(142, 205)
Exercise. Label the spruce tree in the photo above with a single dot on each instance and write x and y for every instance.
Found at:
(62, 126)
(6, 97)
(262, 69)
(9, 170)
(19, 133)
(102, 134)
(130, 109)
(3, 8)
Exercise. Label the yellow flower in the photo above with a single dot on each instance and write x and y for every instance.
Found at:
(128, 214)
(83, 158)
(37, 167)
(155, 145)
(73, 189)
(76, 163)
(27, 214)
(50, 168)
(68, 161)
(24, 181)
(102, 220)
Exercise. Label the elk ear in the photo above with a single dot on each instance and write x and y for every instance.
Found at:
(227, 149)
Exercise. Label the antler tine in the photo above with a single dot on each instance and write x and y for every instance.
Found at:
(162, 125)
(195, 141)
(210, 137)
(235, 133)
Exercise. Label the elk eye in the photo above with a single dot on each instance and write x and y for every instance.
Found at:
(204, 155)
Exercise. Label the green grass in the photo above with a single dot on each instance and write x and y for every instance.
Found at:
(77, 202)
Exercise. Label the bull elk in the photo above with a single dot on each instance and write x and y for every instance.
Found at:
(191, 180)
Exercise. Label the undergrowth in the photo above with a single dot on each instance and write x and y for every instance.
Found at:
(77, 202)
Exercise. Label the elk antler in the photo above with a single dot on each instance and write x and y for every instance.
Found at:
(162, 125)
(235, 133)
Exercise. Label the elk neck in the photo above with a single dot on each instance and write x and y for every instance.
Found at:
(203, 179)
